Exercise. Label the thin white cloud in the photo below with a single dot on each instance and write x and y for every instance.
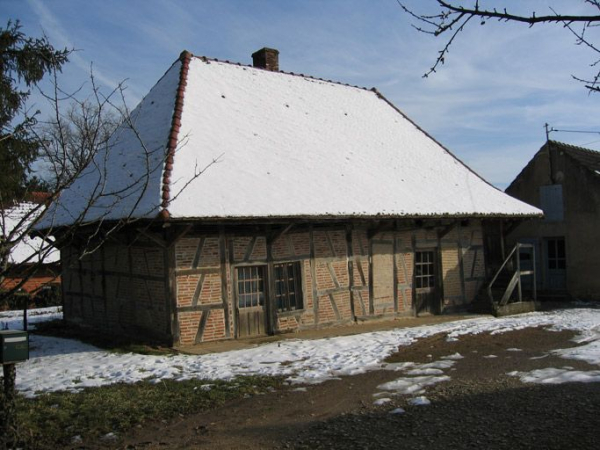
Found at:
(60, 38)
(500, 84)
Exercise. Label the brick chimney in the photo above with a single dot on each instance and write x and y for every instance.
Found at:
(266, 58)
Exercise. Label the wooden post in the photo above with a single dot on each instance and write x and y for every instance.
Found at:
(25, 304)
(533, 248)
(7, 415)
(350, 267)
(518, 256)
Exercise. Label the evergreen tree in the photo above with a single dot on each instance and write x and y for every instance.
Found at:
(24, 62)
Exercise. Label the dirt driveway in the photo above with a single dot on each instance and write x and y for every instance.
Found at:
(479, 406)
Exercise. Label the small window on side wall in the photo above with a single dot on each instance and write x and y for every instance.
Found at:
(551, 202)
(288, 286)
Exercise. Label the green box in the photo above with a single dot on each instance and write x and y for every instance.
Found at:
(14, 346)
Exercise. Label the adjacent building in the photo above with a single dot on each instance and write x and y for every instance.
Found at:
(32, 264)
(564, 181)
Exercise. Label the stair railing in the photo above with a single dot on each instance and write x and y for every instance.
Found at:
(515, 280)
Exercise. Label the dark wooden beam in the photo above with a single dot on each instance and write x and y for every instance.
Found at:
(447, 229)
(274, 235)
(270, 297)
(224, 296)
(158, 240)
(171, 292)
(175, 233)
(395, 273)
(313, 275)
(350, 268)
(371, 288)
(202, 308)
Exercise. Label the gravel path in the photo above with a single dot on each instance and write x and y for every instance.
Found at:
(478, 406)
(481, 407)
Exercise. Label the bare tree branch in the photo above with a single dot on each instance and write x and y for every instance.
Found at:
(454, 17)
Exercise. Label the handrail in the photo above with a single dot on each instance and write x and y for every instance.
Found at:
(503, 264)
(515, 280)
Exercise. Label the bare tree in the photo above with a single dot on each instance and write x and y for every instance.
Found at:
(454, 18)
(71, 140)
(78, 144)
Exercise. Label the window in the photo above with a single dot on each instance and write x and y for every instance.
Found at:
(424, 270)
(551, 202)
(251, 286)
(556, 254)
(288, 286)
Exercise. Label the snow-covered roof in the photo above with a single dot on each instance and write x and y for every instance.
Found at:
(15, 224)
(285, 146)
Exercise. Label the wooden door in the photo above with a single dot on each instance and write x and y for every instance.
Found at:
(556, 264)
(251, 312)
(383, 277)
(427, 299)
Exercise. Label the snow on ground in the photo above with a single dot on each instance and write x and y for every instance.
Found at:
(62, 364)
(13, 320)
(558, 376)
(420, 401)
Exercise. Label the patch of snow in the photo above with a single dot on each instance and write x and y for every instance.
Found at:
(398, 366)
(109, 437)
(589, 352)
(13, 320)
(397, 411)
(454, 357)
(420, 401)
(490, 356)
(382, 401)
(424, 372)
(513, 349)
(445, 364)
(412, 385)
(558, 376)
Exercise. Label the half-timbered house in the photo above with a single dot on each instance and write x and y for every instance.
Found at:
(272, 202)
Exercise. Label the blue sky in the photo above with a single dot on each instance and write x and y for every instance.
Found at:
(488, 104)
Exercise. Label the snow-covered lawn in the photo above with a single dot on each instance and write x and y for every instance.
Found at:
(64, 364)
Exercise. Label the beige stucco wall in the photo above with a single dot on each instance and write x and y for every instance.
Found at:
(580, 227)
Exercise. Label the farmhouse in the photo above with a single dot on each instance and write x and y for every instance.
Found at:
(564, 181)
(259, 202)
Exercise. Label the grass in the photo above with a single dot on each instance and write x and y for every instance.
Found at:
(55, 419)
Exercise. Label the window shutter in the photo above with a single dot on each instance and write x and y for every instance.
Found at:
(551, 202)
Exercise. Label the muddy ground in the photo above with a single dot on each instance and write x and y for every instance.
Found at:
(480, 407)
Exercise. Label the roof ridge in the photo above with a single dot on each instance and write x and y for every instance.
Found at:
(185, 58)
(207, 59)
(572, 147)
